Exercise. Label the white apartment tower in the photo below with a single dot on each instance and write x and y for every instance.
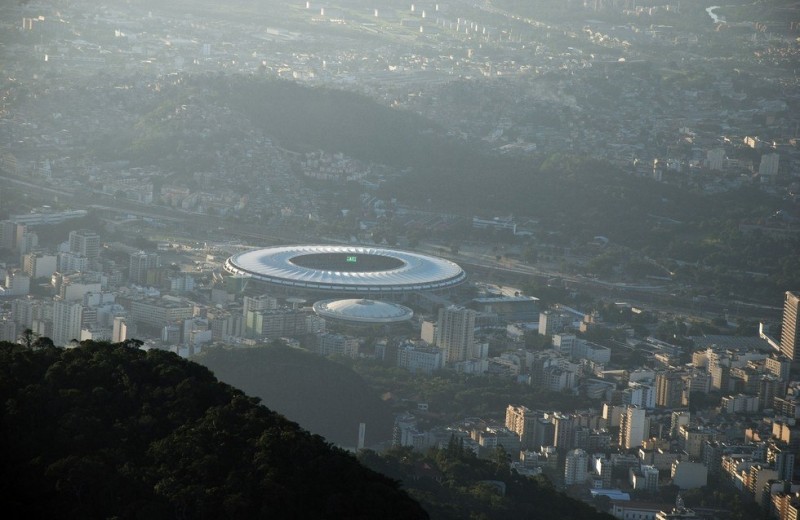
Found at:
(85, 242)
(633, 428)
(66, 322)
(576, 467)
(119, 332)
(455, 333)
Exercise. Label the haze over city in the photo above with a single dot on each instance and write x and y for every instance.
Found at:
(494, 258)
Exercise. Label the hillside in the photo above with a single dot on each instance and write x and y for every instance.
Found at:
(452, 483)
(324, 397)
(105, 431)
(574, 197)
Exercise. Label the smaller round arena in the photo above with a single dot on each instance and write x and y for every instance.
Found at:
(363, 312)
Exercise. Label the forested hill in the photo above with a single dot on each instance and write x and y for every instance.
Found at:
(105, 431)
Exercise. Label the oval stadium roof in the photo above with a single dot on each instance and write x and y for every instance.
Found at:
(352, 269)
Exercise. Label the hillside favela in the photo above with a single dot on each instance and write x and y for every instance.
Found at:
(468, 259)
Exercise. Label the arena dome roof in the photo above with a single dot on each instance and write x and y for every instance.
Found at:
(363, 311)
(356, 270)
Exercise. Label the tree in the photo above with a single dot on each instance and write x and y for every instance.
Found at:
(28, 337)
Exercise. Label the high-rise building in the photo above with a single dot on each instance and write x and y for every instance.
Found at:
(791, 327)
(564, 431)
(119, 332)
(639, 394)
(140, 265)
(26, 240)
(39, 265)
(544, 433)
(522, 421)
(85, 242)
(678, 419)
(8, 330)
(70, 262)
(66, 322)
(671, 390)
(576, 467)
(779, 366)
(263, 302)
(645, 478)
(419, 358)
(157, 312)
(16, 283)
(276, 323)
(337, 344)
(455, 333)
(552, 322)
(8, 235)
(633, 428)
(768, 167)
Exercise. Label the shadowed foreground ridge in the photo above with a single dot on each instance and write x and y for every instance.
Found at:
(106, 430)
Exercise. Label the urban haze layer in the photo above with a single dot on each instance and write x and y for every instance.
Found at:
(566, 231)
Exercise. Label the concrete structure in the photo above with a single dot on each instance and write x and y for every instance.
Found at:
(790, 331)
(689, 475)
(601, 469)
(39, 265)
(8, 330)
(362, 312)
(16, 284)
(85, 242)
(715, 158)
(679, 512)
(329, 344)
(157, 312)
(779, 366)
(119, 331)
(692, 439)
(66, 322)
(69, 262)
(553, 322)
(644, 478)
(509, 308)
(576, 467)
(419, 359)
(740, 403)
(633, 428)
(263, 302)
(671, 390)
(52, 217)
(639, 394)
(630, 510)
(278, 323)
(768, 167)
(141, 266)
(455, 333)
(679, 418)
(346, 270)
(522, 421)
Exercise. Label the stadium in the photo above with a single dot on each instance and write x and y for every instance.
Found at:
(362, 312)
(355, 271)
